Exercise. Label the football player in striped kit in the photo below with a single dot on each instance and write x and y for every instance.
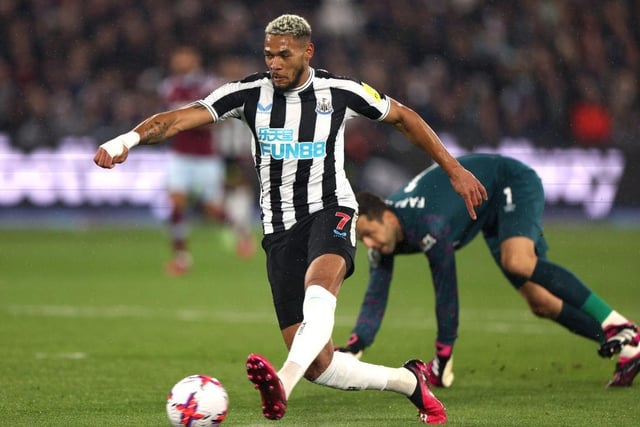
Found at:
(297, 115)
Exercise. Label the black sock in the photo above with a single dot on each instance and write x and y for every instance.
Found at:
(580, 323)
(561, 283)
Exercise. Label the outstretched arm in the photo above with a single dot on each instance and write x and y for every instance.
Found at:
(151, 131)
(416, 130)
(445, 285)
(373, 306)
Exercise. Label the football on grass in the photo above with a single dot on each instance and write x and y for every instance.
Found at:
(197, 401)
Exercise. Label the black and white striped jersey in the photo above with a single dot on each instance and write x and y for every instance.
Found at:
(298, 139)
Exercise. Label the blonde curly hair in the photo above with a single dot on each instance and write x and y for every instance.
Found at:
(295, 25)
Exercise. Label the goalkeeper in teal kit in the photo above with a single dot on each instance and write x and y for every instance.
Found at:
(426, 215)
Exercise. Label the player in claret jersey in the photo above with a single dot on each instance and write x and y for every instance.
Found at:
(196, 170)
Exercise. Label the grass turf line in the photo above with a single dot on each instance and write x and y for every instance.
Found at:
(94, 333)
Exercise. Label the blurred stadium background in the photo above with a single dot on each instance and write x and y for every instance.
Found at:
(554, 83)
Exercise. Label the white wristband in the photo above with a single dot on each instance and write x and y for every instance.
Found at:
(115, 146)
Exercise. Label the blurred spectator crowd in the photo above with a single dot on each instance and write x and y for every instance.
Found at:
(558, 72)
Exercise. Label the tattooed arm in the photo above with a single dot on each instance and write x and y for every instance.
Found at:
(151, 131)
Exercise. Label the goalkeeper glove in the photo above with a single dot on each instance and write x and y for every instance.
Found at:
(354, 346)
(440, 371)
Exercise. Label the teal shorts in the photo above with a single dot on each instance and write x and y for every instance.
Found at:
(519, 214)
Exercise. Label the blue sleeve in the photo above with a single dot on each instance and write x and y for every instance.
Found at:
(445, 285)
(375, 299)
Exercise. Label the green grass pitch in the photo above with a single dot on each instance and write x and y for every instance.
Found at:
(93, 333)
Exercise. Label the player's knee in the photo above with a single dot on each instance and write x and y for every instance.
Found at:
(520, 265)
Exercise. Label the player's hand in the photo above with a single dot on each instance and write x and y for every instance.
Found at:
(470, 189)
(116, 150)
(106, 160)
(354, 346)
